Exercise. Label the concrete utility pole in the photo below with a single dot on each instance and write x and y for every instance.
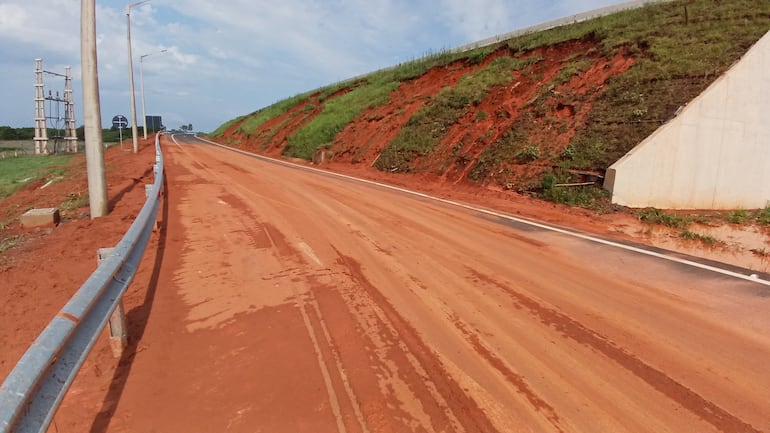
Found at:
(134, 129)
(92, 117)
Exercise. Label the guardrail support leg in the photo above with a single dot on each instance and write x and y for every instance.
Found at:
(117, 323)
(118, 334)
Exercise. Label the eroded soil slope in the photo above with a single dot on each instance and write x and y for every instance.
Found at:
(508, 137)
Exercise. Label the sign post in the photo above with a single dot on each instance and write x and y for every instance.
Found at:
(120, 122)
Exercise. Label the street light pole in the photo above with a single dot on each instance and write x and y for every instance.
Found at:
(141, 85)
(132, 97)
(92, 116)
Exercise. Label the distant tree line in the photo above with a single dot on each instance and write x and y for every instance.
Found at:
(111, 135)
(9, 133)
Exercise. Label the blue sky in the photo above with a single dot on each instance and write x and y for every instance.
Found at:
(231, 57)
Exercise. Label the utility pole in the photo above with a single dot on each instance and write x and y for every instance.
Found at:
(92, 117)
(134, 130)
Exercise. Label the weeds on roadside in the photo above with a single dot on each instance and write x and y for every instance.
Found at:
(763, 215)
(657, 216)
(588, 196)
(75, 200)
(8, 242)
(707, 240)
(738, 216)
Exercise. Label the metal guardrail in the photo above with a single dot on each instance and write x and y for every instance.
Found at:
(572, 19)
(33, 391)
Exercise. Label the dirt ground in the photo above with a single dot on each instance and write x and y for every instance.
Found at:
(40, 274)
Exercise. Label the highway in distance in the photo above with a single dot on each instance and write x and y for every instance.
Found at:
(296, 301)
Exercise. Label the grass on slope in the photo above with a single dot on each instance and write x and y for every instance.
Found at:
(337, 112)
(258, 118)
(17, 172)
(375, 84)
(225, 126)
(424, 130)
(678, 55)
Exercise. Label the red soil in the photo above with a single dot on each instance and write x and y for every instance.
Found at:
(41, 274)
(550, 112)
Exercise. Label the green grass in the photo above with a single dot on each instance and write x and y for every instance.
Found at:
(674, 63)
(657, 216)
(588, 196)
(225, 126)
(572, 69)
(14, 170)
(257, 119)
(378, 82)
(738, 216)
(337, 112)
(707, 240)
(763, 215)
(424, 131)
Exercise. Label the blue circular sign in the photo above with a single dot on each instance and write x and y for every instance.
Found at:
(119, 122)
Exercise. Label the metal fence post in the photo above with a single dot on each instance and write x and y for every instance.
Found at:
(117, 323)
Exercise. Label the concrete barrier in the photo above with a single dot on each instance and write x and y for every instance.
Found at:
(714, 155)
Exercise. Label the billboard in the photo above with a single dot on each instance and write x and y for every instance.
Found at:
(153, 123)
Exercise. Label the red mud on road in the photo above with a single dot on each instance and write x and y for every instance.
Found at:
(231, 315)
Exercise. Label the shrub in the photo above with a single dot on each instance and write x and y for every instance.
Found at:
(656, 216)
(738, 216)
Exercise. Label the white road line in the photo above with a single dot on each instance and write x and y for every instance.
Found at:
(751, 277)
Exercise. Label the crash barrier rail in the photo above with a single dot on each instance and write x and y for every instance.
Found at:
(33, 391)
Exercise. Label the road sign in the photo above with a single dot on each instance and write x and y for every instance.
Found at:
(119, 122)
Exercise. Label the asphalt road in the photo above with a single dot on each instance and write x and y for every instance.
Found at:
(292, 301)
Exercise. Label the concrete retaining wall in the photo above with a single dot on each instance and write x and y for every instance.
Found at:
(714, 155)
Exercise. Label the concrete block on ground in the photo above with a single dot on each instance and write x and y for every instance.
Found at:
(40, 217)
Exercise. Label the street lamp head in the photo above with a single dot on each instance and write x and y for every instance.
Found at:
(141, 58)
(131, 5)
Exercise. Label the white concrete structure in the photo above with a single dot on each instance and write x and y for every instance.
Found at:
(714, 155)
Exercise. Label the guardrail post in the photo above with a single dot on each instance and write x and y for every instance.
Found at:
(117, 323)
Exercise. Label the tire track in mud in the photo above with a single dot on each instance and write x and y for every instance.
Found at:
(327, 354)
(517, 380)
(461, 412)
(574, 330)
(335, 355)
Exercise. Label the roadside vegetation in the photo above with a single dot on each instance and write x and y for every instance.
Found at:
(17, 172)
(682, 222)
(424, 131)
(337, 113)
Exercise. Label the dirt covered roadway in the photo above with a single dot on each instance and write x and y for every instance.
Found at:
(291, 301)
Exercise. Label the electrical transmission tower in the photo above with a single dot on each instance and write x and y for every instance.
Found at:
(66, 132)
